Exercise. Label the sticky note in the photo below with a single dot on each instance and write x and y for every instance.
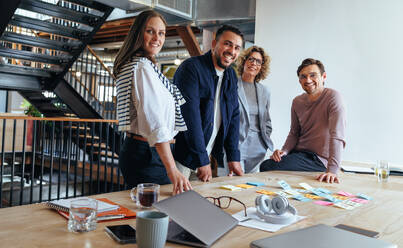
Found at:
(230, 187)
(300, 197)
(313, 197)
(306, 186)
(343, 205)
(245, 186)
(326, 191)
(344, 193)
(352, 203)
(364, 197)
(291, 192)
(326, 196)
(323, 203)
(359, 200)
(340, 197)
(255, 183)
(303, 191)
(284, 184)
(266, 192)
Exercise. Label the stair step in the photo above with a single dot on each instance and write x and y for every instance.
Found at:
(103, 145)
(41, 42)
(29, 71)
(59, 12)
(88, 136)
(90, 4)
(48, 27)
(30, 56)
(109, 154)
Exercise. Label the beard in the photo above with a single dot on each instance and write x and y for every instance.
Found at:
(218, 60)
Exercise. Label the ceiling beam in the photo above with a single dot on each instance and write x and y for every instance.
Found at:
(189, 39)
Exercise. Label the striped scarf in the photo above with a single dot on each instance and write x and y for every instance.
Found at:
(123, 90)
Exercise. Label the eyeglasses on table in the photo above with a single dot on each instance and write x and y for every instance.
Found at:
(224, 202)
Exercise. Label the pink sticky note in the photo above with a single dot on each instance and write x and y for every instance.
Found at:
(359, 200)
(344, 193)
(323, 203)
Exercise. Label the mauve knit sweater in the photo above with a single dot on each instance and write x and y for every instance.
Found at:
(318, 127)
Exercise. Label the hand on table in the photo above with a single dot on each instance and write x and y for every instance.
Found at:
(204, 173)
(235, 167)
(179, 181)
(328, 177)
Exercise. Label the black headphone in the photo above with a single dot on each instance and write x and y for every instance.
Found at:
(275, 211)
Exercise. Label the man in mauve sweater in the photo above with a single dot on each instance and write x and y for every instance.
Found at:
(316, 137)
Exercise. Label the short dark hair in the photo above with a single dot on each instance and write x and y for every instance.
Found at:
(310, 61)
(230, 28)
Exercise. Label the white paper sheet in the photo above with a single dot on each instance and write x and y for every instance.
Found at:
(255, 222)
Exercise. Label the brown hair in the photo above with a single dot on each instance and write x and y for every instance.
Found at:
(264, 69)
(133, 44)
(310, 61)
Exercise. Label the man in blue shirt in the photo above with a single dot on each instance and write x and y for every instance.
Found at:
(211, 111)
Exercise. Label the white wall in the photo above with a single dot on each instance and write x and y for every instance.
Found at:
(360, 43)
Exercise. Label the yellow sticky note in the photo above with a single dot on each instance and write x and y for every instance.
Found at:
(230, 187)
(313, 197)
(340, 197)
(265, 192)
(245, 186)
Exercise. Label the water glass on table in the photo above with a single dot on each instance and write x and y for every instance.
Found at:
(83, 215)
(382, 171)
(145, 194)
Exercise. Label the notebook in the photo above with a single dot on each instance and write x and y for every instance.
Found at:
(195, 220)
(320, 236)
(64, 205)
(120, 213)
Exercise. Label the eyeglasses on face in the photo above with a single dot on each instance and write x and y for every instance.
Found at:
(255, 60)
(224, 202)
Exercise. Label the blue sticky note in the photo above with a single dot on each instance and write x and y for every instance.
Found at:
(284, 184)
(301, 198)
(326, 191)
(364, 196)
(255, 183)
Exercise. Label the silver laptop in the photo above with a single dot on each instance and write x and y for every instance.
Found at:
(195, 220)
(320, 236)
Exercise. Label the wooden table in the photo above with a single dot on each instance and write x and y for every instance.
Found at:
(37, 226)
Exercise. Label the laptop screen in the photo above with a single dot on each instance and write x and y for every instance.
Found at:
(197, 215)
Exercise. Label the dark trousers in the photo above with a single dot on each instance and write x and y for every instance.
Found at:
(295, 161)
(141, 163)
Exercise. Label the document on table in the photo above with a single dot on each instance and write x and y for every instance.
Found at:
(357, 169)
(253, 221)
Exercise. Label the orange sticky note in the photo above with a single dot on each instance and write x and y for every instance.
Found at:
(265, 192)
(245, 186)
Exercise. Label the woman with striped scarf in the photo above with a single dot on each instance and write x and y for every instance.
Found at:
(148, 107)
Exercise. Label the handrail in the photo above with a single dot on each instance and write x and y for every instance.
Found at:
(100, 61)
(56, 119)
(86, 89)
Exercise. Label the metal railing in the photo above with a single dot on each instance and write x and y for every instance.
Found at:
(43, 159)
(94, 81)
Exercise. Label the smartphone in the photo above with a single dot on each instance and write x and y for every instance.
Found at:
(358, 230)
(123, 234)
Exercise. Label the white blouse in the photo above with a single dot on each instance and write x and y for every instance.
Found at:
(154, 105)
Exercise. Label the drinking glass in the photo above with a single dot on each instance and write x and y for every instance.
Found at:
(145, 194)
(83, 215)
(382, 171)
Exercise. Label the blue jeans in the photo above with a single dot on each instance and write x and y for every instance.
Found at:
(295, 161)
(141, 163)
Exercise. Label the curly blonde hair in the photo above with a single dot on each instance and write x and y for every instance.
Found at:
(264, 69)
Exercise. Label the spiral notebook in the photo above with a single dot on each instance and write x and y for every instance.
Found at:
(64, 205)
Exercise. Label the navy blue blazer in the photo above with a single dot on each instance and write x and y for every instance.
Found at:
(197, 80)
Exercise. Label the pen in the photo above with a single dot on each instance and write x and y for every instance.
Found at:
(111, 217)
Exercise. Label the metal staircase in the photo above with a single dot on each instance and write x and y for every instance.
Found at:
(39, 45)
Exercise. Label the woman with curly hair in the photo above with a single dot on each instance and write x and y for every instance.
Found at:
(254, 102)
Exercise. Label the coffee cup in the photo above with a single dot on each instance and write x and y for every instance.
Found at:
(151, 229)
(145, 194)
